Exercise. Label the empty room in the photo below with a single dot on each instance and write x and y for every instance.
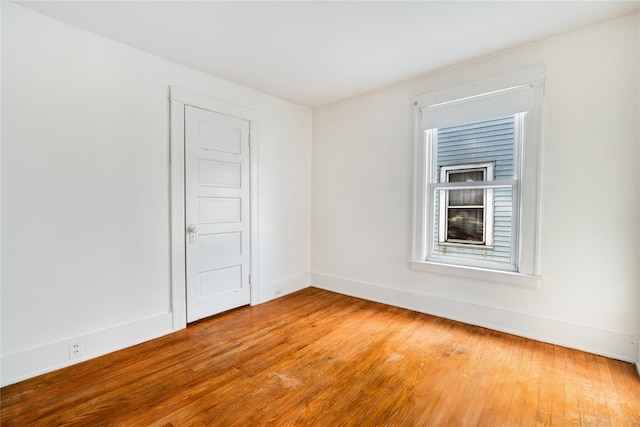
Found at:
(320, 213)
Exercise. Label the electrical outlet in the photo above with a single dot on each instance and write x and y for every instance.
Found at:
(75, 349)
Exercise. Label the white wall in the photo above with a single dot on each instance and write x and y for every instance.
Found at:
(85, 190)
(362, 197)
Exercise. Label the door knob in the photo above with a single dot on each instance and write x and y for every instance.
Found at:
(192, 229)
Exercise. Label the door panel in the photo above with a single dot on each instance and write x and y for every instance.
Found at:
(220, 209)
(216, 212)
(219, 174)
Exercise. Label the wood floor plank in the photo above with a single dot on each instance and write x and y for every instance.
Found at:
(572, 400)
(524, 402)
(317, 358)
(627, 385)
(533, 377)
(610, 393)
(499, 399)
(600, 401)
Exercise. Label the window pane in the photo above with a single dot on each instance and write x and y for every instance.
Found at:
(498, 225)
(466, 197)
(466, 176)
(465, 224)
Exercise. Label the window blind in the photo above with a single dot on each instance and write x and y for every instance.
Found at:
(477, 108)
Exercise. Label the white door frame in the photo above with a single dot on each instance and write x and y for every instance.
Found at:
(179, 98)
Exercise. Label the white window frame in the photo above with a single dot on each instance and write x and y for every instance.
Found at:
(487, 205)
(482, 99)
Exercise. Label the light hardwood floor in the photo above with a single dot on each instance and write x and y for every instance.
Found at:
(316, 358)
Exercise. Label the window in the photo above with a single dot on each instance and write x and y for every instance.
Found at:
(465, 214)
(477, 175)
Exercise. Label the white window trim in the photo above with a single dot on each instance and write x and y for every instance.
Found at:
(520, 280)
(527, 236)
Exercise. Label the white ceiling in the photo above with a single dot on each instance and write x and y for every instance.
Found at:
(317, 52)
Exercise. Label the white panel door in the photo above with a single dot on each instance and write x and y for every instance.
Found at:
(216, 212)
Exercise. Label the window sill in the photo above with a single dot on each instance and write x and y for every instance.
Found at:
(504, 277)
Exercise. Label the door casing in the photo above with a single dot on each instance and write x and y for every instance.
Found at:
(179, 98)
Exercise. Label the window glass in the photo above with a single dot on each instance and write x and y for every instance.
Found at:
(465, 225)
(466, 197)
(475, 223)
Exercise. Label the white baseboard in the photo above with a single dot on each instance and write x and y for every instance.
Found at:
(606, 343)
(39, 360)
(282, 287)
